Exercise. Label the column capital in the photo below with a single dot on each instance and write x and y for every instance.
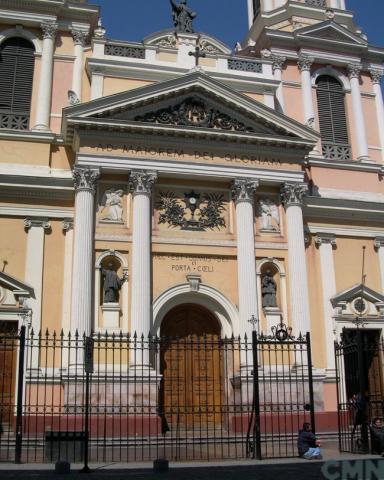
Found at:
(85, 179)
(376, 75)
(354, 70)
(305, 62)
(243, 189)
(379, 242)
(79, 37)
(49, 29)
(277, 62)
(37, 223)
(325, 238)
(142, 182)
(293, 193)
(67, 224)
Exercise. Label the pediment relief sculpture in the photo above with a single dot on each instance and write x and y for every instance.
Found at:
(195, 112)
(197, 211)
(358, 301)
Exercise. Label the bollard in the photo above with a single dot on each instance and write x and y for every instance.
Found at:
(161, 465)
(62, 467)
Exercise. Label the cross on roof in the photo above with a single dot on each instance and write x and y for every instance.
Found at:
(197, 54)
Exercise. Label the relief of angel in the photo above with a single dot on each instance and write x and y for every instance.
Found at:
(269, 215)
(112, 203)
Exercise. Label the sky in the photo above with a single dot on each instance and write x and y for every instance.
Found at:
(224, 19)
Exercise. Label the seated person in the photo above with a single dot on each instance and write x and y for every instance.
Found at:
(377, 436)
(307, 444)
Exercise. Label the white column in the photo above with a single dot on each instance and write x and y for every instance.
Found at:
(354, 70)
(376, 76)
(326, 242)
(141, 185)
(67, 274)
(268, 5)
(342, 5)
(304, 63)
(85, 181)
(292, 196)
(250, 13)
(46, 72)
(277, 66)
(34, 270)
(379, 245)
(334, 4)
(243, 191)
(79, 37)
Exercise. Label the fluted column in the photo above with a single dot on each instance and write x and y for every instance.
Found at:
(34, 270)
(46, 73)
(243, 191)
(85, 180)
(326, 242)
(79, 38)
(277, 66)
(354, 70)
(141, 184)
(379, 245)
(376, 76)
(292, 196)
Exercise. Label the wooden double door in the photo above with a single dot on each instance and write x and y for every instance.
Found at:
(8, 361)
(192, 368)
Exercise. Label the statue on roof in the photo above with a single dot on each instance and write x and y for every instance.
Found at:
(182, 16)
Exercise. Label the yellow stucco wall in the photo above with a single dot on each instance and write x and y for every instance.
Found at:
(13, 246)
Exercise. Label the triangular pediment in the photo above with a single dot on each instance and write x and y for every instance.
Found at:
(16, 286)
(355, 292)
(194, 103)
(330, 31)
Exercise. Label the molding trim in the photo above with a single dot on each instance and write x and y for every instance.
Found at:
(345, 232)
(13, 211)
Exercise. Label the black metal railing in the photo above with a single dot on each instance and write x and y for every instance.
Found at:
(122, 398)
(359, 374)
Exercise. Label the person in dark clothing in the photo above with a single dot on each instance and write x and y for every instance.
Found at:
(307, 443)
(377, 436)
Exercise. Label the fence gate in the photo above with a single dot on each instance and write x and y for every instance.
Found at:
(122, 398)
(359, 375)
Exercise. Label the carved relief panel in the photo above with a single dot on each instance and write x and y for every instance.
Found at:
(269, 214)
(191, 209)
(112, 204)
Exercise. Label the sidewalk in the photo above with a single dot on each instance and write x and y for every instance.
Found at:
(272, 469)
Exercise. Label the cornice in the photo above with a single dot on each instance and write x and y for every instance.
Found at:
(44, 212)
(345, 231)
(352, 166)
(326, 208)
(28, 136)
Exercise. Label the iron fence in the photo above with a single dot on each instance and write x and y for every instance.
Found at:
(359, 375)
(122, 398)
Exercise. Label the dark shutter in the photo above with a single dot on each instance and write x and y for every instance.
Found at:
(17, 63)
(331, 106)
(256, 8)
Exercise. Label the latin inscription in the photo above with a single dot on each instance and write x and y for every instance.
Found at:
(192, 264)
(180, 153)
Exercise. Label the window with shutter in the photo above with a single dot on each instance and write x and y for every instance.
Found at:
(17, 62)
(332, 118)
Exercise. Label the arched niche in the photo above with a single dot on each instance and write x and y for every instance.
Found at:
(120, 265)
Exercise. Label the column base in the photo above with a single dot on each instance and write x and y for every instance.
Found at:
(41, 128)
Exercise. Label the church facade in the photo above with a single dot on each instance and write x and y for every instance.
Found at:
(174, 187)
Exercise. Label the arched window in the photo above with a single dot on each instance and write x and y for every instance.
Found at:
(332, 118)
(17, 62)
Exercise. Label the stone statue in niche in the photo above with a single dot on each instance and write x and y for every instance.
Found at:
(268, 290)
(112, 205)
(111, 283)
(269, 215)
(182, 16)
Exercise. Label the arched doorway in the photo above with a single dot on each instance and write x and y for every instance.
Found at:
(192, 368)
